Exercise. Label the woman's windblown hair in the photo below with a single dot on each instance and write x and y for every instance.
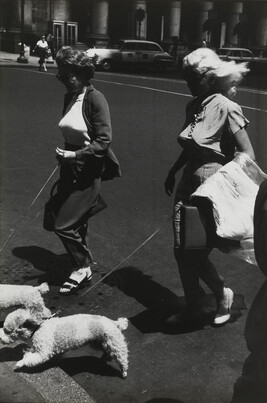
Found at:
(76, 59)
(206, 61)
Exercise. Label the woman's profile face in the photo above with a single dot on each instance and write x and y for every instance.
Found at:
(71, 81)
(199, 84)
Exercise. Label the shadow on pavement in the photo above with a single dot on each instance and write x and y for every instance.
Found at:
(93, 365)
(162, 303)
(55, 267)
(12, 353)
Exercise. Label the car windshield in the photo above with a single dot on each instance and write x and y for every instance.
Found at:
(223, 52)
(115, 45)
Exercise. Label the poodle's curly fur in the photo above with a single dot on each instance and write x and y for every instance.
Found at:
(24, 295)
(55, 336)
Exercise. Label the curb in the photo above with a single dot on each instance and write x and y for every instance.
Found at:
(52, 384)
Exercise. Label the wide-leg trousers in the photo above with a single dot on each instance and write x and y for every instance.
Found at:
(71, 223)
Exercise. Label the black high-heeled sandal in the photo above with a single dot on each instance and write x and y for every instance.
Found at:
(76, 280)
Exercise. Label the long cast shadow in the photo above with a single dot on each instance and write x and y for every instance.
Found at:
(159, 301)
(54, 267)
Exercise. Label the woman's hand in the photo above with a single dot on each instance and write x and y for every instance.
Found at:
(65, 155)
(169, 183)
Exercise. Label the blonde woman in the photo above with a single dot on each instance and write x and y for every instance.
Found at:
(214, 129)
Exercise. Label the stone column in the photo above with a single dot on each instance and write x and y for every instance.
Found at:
(173, 20)
(235, 10)
(203, 16)
(135, 27)
(61, 10)
(261, 26)
(15, 15)
(100, 13)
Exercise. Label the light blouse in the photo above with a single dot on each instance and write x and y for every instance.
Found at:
(211, 124)
(42, 44)
(72, 125)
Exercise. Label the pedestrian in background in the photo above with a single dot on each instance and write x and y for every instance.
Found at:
(214, 129)
(41, 49)
(85, 161)
(50, 41)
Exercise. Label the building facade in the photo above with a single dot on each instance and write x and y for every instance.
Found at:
(95, 22)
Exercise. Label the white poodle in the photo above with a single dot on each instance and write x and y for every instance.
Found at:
(55, 336)
(24, 295)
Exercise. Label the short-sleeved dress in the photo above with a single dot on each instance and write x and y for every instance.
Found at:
(207, 137)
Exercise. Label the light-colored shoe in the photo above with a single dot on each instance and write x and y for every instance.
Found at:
(224, 311)
(75, 280)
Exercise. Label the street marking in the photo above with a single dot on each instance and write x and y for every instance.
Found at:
(253, 91)
(170, 92)
(241, 89)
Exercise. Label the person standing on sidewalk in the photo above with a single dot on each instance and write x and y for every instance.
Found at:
(214, 128)
(41, 49)
(85, 161)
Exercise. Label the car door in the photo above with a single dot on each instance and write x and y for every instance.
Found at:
(147, 51)
(129, 53)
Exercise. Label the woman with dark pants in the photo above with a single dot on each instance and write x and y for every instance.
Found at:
(85, 161)
(41, 50)
(214, 129)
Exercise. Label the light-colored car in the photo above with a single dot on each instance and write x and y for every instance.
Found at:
(237, 54)
(130, 52)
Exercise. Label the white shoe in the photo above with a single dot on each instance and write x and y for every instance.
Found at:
(224, 312)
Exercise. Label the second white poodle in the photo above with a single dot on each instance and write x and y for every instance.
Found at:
(24, 295)
(55, 336)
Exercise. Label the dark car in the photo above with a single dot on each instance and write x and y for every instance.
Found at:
(130, 52)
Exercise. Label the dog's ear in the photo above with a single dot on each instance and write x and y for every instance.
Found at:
(29, 324)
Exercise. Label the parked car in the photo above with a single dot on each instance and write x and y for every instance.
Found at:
(130, 52)
(237, 54)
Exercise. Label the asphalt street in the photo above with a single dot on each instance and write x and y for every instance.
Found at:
(196, 364)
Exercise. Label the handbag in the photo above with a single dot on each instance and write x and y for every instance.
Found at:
(192, 232)
(198, 230)
(50, 209)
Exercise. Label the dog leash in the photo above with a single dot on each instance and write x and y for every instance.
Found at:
(117, 266)
(129, 256)
(13, 230)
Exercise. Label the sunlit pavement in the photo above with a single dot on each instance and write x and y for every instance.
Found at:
(193, 363)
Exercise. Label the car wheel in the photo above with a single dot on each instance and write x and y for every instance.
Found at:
(107, 65)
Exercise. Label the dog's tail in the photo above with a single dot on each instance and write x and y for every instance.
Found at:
(43, 288)
(122, 323)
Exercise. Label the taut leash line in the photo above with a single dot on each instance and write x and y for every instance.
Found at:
(13, 230)
(128, 257)
(118, 265)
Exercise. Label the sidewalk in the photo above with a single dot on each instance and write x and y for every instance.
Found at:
(10, 59)
(50, 385)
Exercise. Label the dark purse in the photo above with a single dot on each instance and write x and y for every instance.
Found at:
(50, 209)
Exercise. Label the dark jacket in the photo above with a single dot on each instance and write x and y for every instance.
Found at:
(97, 118)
